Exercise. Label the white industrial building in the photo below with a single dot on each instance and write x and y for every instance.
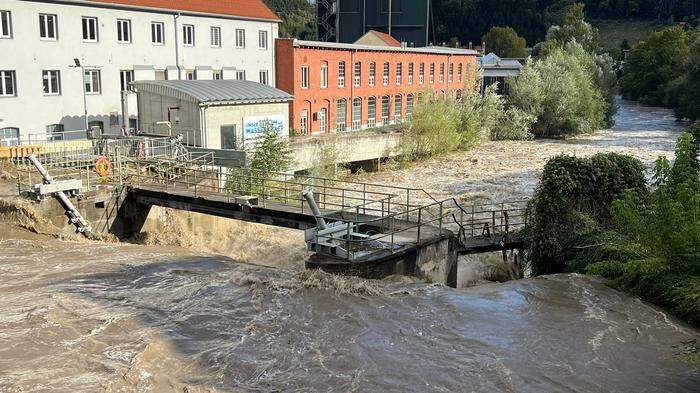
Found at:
(116, 42)
(227, 114)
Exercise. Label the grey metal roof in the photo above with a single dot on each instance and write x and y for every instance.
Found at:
(442, 50)
(215, 92)
(491, 61)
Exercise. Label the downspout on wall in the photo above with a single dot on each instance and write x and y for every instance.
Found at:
(177, 47)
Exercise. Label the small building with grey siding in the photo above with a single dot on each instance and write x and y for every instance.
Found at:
(215, 114)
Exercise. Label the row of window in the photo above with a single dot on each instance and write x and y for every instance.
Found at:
(398, 79)
(356, 113)
(51, 80)
(48, 30)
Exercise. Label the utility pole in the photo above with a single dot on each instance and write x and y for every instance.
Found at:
(78, 64)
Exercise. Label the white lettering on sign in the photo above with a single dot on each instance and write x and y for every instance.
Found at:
(254, 126)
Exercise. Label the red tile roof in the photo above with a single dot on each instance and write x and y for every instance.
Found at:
(254, 9)
(391, 41)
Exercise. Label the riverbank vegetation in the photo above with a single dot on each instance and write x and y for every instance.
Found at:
(664, 70)
(566, 90)
(597, 216)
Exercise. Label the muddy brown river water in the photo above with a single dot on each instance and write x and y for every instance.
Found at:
(79, 316)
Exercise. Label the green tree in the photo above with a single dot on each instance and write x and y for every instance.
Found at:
(682, 93)
(505, 42)
(272, 153)
(574, 28)
(298, 18)
(652, 64)
(560, 93)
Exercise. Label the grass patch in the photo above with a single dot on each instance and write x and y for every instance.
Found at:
(613, 32)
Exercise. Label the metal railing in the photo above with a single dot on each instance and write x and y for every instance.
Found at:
(398, 230)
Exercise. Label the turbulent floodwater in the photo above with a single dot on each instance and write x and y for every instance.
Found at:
(508, 170)
(92, 317)
(79, 316)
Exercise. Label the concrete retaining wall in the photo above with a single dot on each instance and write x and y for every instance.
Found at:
(352, 146)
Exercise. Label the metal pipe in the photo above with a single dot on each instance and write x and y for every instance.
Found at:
(75, 217)
(177, 49)
(308, 194)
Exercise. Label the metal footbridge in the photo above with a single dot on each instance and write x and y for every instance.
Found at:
(346, 221)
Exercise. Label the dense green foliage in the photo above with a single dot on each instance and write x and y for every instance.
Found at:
(505, 42)
(568, 88)
(652, 64)
(573, 201)
(646, 240)
(298, 18)
(468, 20)
(665, 70)
(271, 153)
(442, 124)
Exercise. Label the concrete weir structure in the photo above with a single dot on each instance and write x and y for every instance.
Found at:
(371, 230)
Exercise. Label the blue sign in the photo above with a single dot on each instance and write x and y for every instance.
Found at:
(256, 125)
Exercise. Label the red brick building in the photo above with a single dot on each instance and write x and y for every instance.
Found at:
(343, 87)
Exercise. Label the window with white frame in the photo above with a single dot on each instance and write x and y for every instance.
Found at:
(450, 73)
(90, 29)
(262, 39)
(421, 73)
(157, 33)
(125, 78)
(51, 79)
(48, 27)
(215, 33)
(432, 73)
(410, 73)
(322, 119)
(92, 82)
(385, 110)
(341, 74)
(398, 103)
(372, 73)
(371, 112)
(8, 84)
(340, 114)
(240, 75)
(9, 136)
(357, 74)
(188, 35)
(442, 72)
(324, 76)
(123, 31)
(216, 75)
(304, 122)
(399, 73)
(385, 74)
(459, 72)
(356, 114)
(5, 24)
(305, 77)
(240, 38)
(263, 77)
(191, 75)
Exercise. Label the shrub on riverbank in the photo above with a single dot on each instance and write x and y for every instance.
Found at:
(572, 204)
(647, 241)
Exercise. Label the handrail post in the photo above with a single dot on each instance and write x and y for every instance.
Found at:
(347, 241)
(420, 210)
(440, 220)
(472, 221)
